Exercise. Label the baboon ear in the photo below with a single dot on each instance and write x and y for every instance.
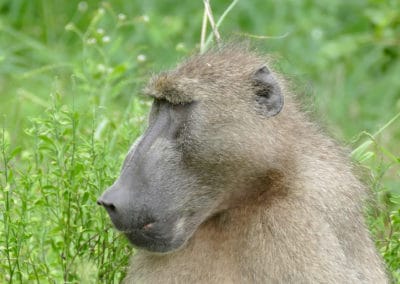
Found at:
(268, 92)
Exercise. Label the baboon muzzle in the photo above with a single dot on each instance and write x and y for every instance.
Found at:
(143, 227)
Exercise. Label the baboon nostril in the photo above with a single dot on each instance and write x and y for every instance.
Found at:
(107, 205)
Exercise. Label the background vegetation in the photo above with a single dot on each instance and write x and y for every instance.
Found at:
(70, 104)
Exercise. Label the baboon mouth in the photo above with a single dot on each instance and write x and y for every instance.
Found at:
(156, 244)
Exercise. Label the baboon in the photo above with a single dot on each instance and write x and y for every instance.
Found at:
(233, 183)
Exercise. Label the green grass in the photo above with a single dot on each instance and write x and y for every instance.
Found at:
(70, 105)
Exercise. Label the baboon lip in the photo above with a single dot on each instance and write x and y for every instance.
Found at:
(154, 245)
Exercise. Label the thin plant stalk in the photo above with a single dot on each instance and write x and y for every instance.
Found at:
(218, 24)
(207, 8)
(203, 32)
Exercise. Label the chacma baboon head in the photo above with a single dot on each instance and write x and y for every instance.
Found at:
(200, 150)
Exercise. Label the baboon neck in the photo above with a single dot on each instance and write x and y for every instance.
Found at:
(250, 202)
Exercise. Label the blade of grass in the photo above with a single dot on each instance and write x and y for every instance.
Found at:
(203, 32)
(358, 152)
(219, 22)
(207, 8)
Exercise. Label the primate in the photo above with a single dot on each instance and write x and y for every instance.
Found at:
(233, 183)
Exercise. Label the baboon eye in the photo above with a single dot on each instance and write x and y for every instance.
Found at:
(154, 110)
(159, 101)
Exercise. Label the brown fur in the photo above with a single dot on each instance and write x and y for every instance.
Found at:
(296, 219)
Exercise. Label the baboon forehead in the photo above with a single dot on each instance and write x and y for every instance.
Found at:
(225, 69)
(225, 63)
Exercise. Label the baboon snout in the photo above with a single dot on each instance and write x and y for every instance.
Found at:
(126, 213)
(108, 205)
(145, 224)
(110, 199)
(123, 210)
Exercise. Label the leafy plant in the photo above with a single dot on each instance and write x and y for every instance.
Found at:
(384, 212)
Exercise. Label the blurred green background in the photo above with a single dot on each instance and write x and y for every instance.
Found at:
(70, 105)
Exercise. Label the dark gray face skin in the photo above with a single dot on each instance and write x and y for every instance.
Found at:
(149, 200)
(163, 193)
